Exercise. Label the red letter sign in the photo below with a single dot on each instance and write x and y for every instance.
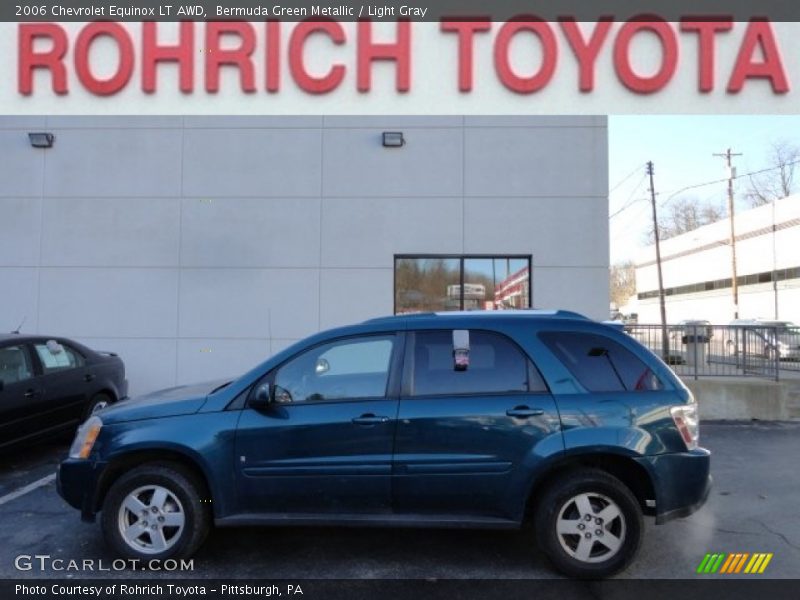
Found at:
(307, 82)
(369, 51)
(669, 59)
(52, 59)
(586, 52)
(502, 60)
(466, 31)
(238, 57)
(706, 30)
(759, 33)
(182, 53)
(87, 36)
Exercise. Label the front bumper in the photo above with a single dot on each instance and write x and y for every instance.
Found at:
(681, 480)
(77, 481)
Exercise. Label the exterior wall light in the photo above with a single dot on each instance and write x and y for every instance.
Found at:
(393, 139)
(41, 139)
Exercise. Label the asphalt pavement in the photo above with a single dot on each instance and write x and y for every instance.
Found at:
(754, 507)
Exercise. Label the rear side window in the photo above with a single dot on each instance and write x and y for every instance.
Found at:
(599, 363)
(58, 357)
(496, 366)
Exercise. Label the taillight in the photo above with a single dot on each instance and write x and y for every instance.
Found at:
(687, 422)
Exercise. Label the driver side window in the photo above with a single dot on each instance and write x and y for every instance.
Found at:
(344, 369)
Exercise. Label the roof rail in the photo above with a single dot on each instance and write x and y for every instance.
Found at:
(536, 312)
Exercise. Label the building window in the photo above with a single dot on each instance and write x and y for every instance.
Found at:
(441, 283)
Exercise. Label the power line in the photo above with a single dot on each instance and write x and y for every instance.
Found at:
(628, 176)
(725, 180)
(630, 201)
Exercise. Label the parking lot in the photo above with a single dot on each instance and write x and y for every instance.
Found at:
(753, 508)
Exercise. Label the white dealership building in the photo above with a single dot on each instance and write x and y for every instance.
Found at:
(697, 269)
(195, 247)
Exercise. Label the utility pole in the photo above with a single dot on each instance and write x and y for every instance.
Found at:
(774, 261)
(661, 300)
(727, 155)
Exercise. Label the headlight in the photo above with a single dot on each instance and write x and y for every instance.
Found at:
(85, 438)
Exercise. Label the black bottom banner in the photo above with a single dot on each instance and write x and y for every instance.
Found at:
(388, 589)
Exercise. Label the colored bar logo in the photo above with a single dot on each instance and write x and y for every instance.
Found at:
(736, 562)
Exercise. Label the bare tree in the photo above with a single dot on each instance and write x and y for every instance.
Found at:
(623, 282)
(710, 213)
(778, 182)
(683, 215)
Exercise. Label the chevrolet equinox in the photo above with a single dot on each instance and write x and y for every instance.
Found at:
(480, 419)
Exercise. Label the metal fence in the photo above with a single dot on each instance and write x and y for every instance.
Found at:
(724, 350)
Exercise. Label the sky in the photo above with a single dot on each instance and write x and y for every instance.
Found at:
(681, 148)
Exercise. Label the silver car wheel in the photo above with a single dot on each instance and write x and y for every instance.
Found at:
(151, 519)
(590, 527)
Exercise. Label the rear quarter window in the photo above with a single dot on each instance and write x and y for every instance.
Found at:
(599, 363)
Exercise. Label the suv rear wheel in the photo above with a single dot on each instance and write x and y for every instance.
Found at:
(589, 524)
(155, 511)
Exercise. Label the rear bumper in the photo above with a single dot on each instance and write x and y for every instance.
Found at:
(76, 482)
(682, 482)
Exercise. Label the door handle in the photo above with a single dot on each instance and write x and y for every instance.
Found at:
(522, 412)
(31, 393)
(88, 377)
(370, 419)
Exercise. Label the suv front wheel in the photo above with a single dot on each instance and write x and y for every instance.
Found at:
(589, 524)
(155, 511)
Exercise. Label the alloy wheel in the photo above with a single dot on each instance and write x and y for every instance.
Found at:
(151, 519)
(590, 527)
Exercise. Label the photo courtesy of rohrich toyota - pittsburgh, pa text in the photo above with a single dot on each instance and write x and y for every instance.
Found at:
(435, 299)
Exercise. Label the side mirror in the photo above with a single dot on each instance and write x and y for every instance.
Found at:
(322, 366)
(262, 397)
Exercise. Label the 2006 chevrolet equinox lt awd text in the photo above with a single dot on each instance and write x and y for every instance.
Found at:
(484, 419)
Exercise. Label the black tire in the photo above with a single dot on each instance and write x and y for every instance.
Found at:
(179, 482)
(98, 400)
(559, 497)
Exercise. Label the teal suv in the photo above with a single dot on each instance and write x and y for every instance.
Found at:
(480, 419)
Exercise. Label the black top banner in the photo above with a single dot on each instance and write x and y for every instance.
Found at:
(388, 10)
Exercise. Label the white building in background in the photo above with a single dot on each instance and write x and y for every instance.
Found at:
(697, 269)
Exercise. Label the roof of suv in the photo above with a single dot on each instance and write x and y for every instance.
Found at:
(478, 314)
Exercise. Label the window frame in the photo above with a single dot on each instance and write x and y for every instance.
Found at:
(392, 382)
(461, 258)
(532, 371)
